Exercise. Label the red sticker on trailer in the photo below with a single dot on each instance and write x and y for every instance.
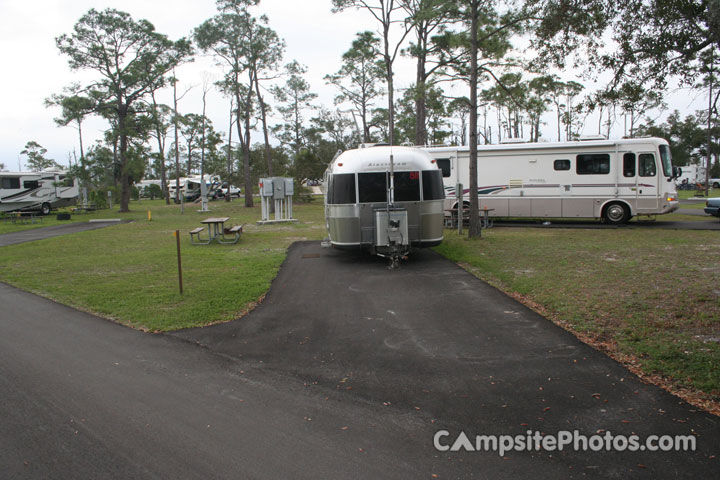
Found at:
(414, 175)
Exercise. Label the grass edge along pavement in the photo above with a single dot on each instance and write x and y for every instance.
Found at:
(650, 302)
(128, 273)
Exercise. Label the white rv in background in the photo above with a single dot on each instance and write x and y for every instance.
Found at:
(690, 175)
(609, 179)
(37, 191)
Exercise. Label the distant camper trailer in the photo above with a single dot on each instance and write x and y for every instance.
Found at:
(385, 200)
(37, 191)
(613, 180)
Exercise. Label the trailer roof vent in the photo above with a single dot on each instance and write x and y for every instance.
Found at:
(513, 140)
(590, 138)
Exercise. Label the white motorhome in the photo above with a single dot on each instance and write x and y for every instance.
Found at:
(193, 186)
(172, 187)
(609, 179)
(37, 191)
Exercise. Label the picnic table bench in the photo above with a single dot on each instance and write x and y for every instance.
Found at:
(22, 217)
(485, 220)
(90, 207)
(216, 232)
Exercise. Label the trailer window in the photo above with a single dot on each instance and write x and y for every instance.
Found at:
(629, 165)
(562, 164)
(432, 185)
(31, 184)
(10, 182)
(647, 165)
(444, 165)
(341, 189)
(407, 186)
(593, 164)
(373, 187)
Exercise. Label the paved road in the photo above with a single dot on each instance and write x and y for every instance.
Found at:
(346, 370)
(48, 232)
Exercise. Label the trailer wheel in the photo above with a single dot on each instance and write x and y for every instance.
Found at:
(45, 209)
(616, 213)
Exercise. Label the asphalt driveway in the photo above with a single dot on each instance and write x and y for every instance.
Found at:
(346, 370)
(432, 343)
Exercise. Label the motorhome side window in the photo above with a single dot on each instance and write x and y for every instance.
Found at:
(407, 186)
(341, 189)
(593, 164)
(629, 165)
(373, 187)
(562, 164)
(10, 182)
(647, 165)
(444, 165)
(432, 185)
(31, 184)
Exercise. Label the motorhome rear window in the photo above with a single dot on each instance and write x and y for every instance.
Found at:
(341, 189)
(373, 187)
(432, 185)
(407, 186)
(593, 164)
(444, 164)
(562, 164)
(10, 182)
(31, 184)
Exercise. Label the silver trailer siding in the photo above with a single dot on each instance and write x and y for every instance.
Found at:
(358, 213)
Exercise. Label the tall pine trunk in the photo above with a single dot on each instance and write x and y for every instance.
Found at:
(474, 230)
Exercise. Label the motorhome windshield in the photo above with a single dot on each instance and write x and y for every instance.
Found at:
(666, 158)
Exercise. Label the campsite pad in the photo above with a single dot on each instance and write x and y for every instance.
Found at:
(432, 342)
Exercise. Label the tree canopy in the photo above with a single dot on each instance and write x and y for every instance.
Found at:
(131, 60)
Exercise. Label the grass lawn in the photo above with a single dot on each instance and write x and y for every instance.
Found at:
(650, 298)
(128, 272)
(686, 194)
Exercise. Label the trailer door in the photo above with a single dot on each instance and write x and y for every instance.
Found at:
(647, 183)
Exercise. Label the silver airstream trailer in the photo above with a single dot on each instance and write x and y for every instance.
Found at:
(385, 200)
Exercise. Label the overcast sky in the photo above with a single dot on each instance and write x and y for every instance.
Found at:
(33, 69)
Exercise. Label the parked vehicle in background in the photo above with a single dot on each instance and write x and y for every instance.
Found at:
(609, 179)
(222, 191)
(689, 177)
(712, 206)
(193, 186)
(37, 191)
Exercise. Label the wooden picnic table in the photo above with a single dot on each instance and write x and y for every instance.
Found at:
(21, 217)
(216, 231)
(485, 220)
(215, 225)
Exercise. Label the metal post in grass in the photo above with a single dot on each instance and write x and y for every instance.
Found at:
(177, 237)
(459, 196)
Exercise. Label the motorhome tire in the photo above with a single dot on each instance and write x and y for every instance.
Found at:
(45, 209)
(616, 213)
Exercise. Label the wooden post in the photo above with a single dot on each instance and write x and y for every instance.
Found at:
(177, 236)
